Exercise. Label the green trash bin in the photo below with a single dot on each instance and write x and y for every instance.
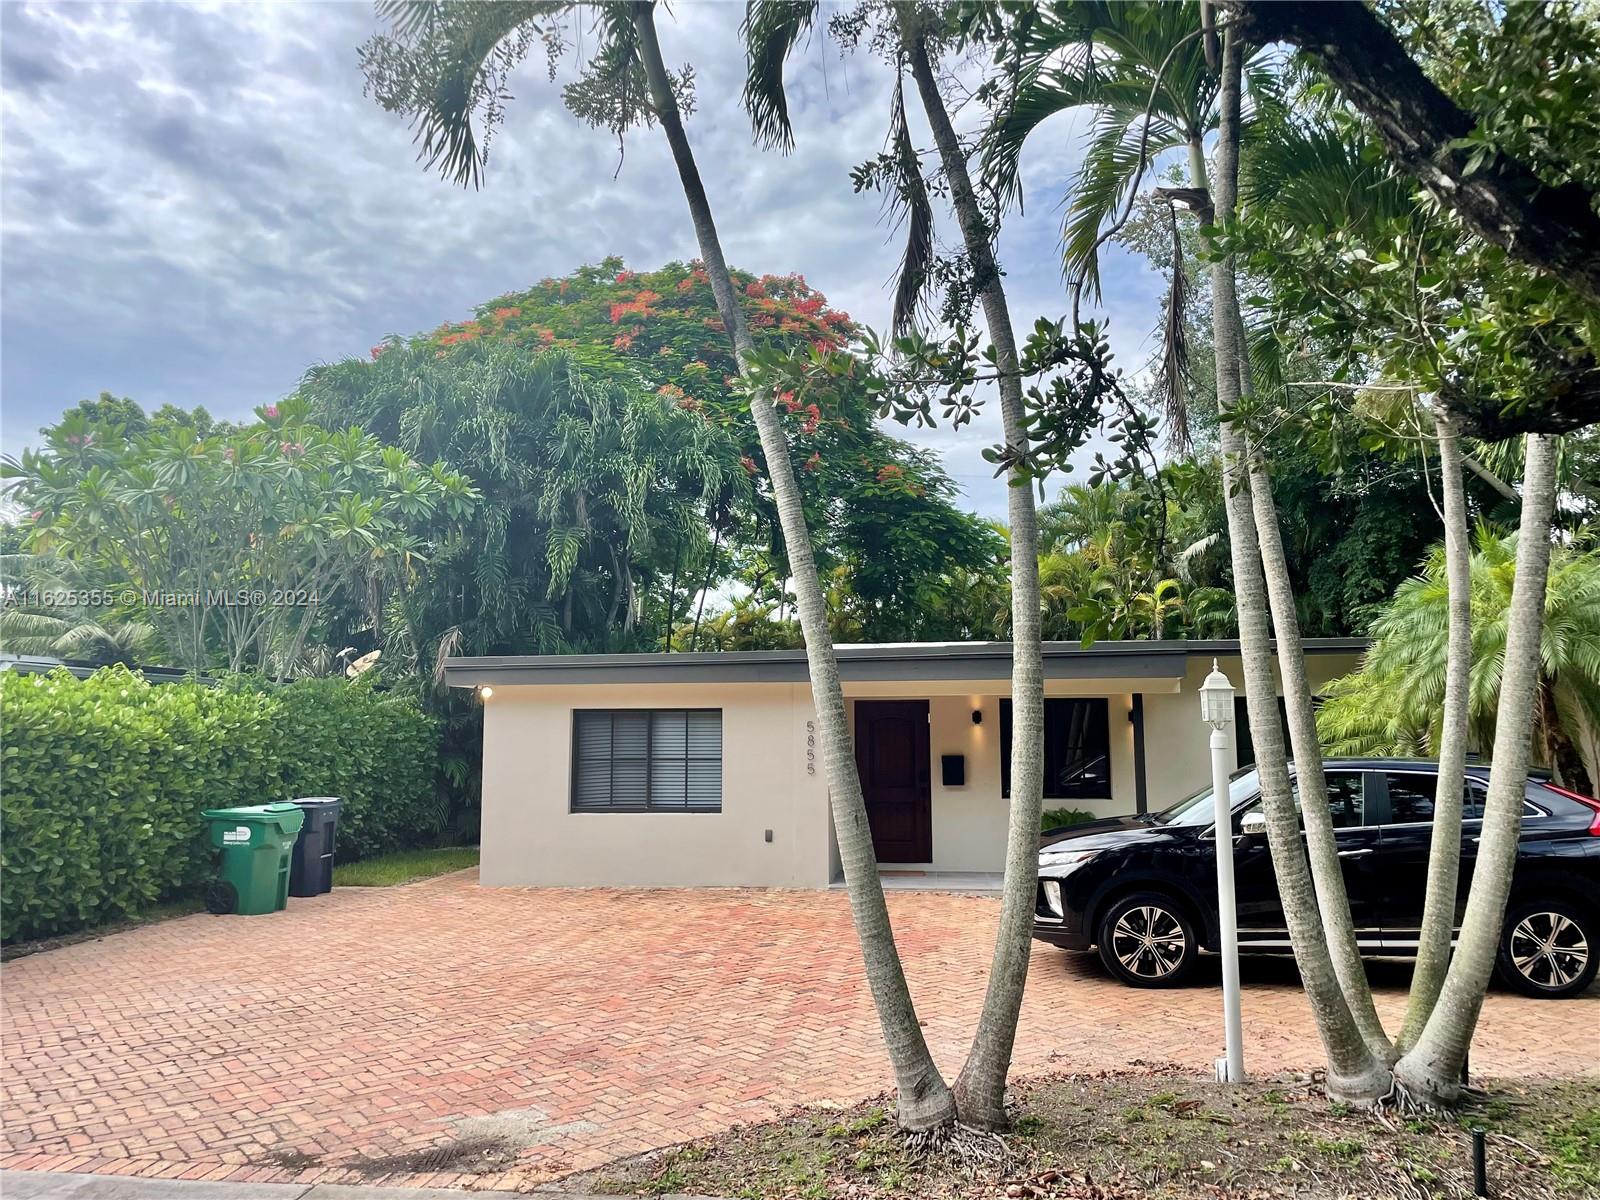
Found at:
(254, 845)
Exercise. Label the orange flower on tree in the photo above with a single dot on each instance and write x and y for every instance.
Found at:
(749, 465)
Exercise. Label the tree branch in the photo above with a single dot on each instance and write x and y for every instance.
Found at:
(1553, 229)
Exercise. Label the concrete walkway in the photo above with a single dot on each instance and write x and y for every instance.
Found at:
(63, 1185)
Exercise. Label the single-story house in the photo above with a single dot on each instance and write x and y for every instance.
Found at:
(705, 769)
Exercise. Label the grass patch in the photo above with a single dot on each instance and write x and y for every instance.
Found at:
(1153, 1135)
(405, 867)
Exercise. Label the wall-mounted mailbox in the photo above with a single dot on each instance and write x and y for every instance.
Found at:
(953, 770)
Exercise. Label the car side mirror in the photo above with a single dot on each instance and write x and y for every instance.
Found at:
(1254, 824)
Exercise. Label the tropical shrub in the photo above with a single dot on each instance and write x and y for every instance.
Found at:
(105, 779)
(1059, 818)
(1393, 705)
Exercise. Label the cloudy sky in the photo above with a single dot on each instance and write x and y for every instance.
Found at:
(199, 203)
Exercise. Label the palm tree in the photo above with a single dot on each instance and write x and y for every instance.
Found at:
(915, 31)
(1358, 1051)
(446, 61)
(1431, 1068)
(1141, 69)
(1394, 703)
(66, 630)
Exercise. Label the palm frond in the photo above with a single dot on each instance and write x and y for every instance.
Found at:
(771, 29)
(910, 195)
(445, 62)
(1172, 383)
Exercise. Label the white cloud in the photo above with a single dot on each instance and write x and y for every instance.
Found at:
(199, 203)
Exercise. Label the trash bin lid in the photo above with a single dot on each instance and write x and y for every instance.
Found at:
(315, 801)
(258, 811)
(285, 817)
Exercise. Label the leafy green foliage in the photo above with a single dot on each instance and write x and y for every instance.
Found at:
(1360, 262)
(1059, 818)
(106, 778)
(230, 542)
(1394, 703)
(875, 505)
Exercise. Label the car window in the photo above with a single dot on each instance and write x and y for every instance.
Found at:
(1345, 798)
(1198, 809)
(1472, 805)
(1411, 797)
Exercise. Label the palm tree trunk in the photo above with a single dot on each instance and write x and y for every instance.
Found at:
(1322, 847)
(1444, 852)
(924, 1098)
(981, 1087)
(1431, 1070)
(1353, 1072)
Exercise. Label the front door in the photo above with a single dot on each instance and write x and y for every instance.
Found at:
(892, 757)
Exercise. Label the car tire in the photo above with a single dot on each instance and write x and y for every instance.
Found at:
(1147, 940)
(1548, 948)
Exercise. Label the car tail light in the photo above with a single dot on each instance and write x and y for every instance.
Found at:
(1588, 802)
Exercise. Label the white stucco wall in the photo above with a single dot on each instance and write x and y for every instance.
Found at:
(1177, 746)
(530, 836)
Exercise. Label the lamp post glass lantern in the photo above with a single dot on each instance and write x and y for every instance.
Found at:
(1216, 710)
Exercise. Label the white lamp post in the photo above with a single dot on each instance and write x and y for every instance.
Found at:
(1216, 710)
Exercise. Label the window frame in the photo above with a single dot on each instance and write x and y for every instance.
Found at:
(611, 808)
(1005, 748)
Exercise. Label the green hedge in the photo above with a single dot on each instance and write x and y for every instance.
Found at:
(104, 780)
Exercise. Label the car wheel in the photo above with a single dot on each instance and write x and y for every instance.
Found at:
(221, 898)
(1146, 940)
(1548, 949)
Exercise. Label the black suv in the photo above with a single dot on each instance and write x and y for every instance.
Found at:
(1143, 890)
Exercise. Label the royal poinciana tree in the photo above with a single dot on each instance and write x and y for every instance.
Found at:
(878, 506)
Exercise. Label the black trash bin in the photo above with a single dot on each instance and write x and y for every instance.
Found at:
(311, 868)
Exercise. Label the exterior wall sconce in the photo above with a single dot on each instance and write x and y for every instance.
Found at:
(977, 716)
(485, 692)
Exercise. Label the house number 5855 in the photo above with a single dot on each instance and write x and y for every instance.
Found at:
(811, 747)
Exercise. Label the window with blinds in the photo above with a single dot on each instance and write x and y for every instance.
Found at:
(647, 760)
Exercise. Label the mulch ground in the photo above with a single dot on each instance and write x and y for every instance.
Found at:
(1158, 1133)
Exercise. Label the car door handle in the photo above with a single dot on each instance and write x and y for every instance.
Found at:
(1354, 853)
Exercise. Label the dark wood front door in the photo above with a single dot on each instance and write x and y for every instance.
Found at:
(892, 757)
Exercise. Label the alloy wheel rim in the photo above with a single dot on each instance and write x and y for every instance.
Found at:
(1148, 941)
(1549, 950)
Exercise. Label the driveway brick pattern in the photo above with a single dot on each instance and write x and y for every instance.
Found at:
(344, 1039)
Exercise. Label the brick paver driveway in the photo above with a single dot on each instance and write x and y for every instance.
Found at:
(352, 1035)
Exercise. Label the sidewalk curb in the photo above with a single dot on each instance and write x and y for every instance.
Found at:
(64, 1185)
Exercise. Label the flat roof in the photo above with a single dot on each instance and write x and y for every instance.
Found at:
(857, 663)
